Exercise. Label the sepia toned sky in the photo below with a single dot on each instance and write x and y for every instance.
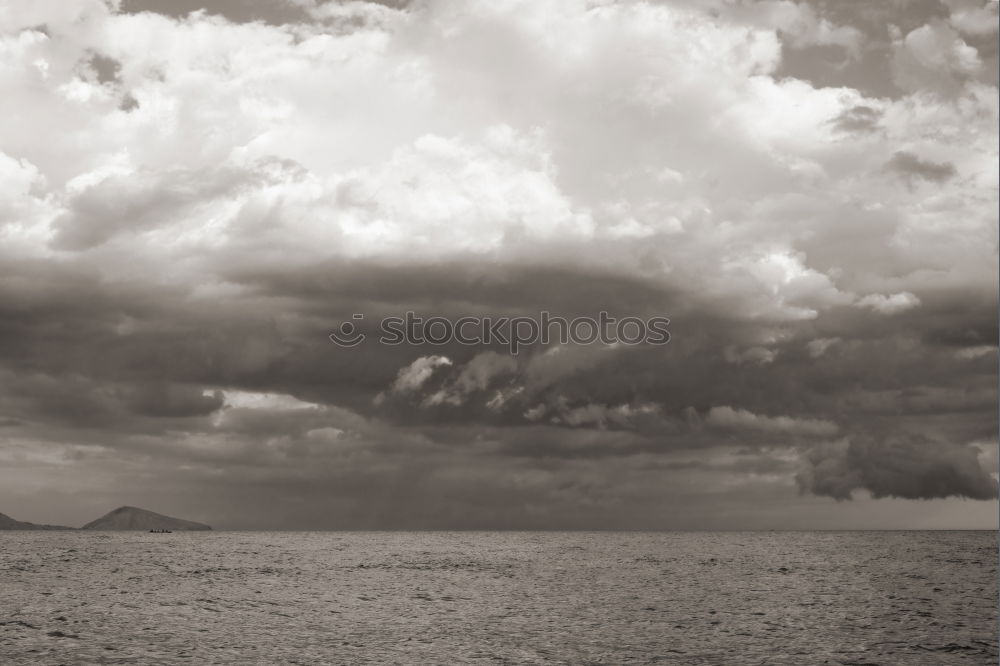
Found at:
(195, 193)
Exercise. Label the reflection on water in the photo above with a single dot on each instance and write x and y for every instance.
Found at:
(466, 597)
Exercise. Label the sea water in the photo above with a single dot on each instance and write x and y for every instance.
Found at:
(498, 598)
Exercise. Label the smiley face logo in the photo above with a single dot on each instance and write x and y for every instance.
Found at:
(348, 335)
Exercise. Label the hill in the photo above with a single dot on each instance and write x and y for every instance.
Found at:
(8, 523)
(132, 518)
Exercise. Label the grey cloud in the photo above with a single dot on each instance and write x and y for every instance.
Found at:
(273, 12)
(899, 465)
(935, 58)
(858, 118)
(740, 419)
(275, 340)
(478, 373)
(78, 401)
(173, 400)
(128, 103)
(870, 73)
(975, 17)
(107, 69)
(911, 167)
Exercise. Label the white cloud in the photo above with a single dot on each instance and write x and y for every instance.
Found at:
(404, 136)
(266, 401)
(601, 416)
(741, 419)
(411, 377)
(967, 353)
(889, 305)
(475, 376)
(442, 196)
(502, 396)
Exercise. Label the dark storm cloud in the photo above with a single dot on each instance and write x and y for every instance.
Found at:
(73, 400)
(519, 286)
(172, 400)
(273, 338)
(899, 465)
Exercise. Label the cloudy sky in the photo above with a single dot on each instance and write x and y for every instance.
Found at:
(195, 193)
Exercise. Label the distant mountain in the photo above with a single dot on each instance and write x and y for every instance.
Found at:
(131, 518)
(8, 523)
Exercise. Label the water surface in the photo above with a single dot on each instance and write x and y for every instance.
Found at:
(498, 598)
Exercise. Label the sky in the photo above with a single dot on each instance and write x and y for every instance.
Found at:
(195, 194)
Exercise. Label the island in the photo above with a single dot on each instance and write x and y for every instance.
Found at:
(124, 518)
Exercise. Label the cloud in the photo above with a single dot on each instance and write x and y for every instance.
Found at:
(889, 305)
(272, 401)
(933, 57)
(799, 24)
(475, 376)
(802, 26)
(906, 466)
(858, 118)
(758, 355)
(974, 17)
(230, 184)
(976, 352)
(536, 412)
(172, 400)
(601, 416)
(911, 167)
(100, 206)
(728, 418)
(413, 376)
(819, 346)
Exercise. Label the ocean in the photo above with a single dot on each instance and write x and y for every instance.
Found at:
(498, 598)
